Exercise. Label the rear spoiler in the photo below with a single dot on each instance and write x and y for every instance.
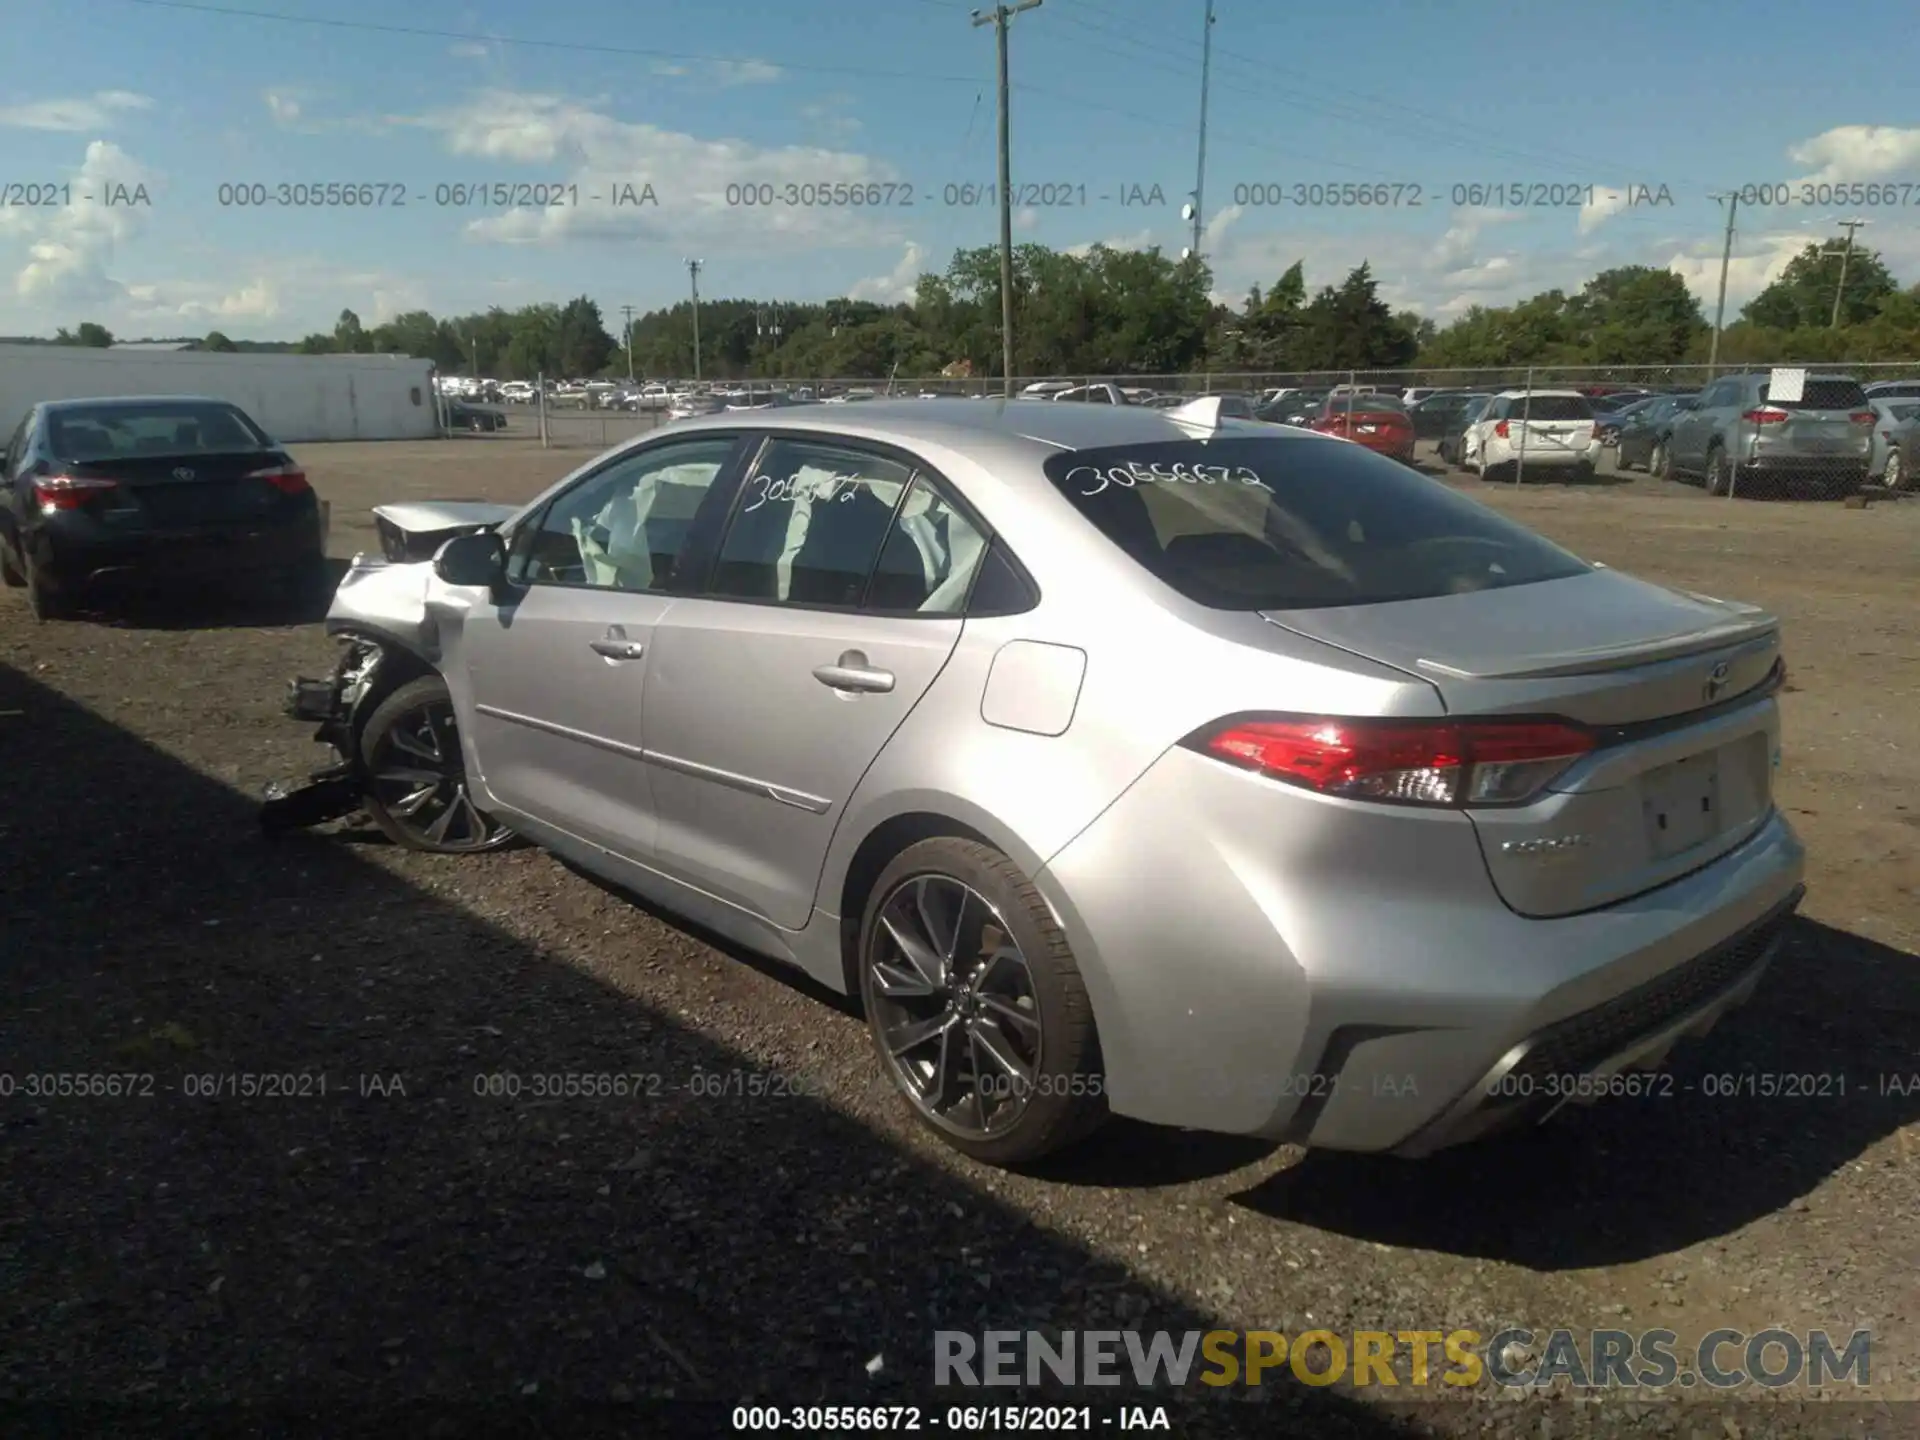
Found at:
(1617, 657)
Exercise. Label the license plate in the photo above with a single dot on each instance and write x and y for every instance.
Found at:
(1368, 429)
(1681, 803)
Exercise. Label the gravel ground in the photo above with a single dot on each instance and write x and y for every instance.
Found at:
(403, 1250)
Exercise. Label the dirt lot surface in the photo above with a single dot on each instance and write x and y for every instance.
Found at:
(403, 1241)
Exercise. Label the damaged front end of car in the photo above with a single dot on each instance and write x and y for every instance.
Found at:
(380, 616)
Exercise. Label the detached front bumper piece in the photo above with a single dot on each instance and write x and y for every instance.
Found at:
(335, 790)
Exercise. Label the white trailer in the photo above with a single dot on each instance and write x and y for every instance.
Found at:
(295, 398)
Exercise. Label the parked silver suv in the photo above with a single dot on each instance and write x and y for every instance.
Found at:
(1740, 440)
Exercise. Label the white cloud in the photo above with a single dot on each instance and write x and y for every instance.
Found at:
(696, 182)
(469, 50)
(1607, 202)
(827, 117)
(282, 105)
(1139, 240)
(897, 286)
(70, 249)
(1858, 152)
(745, 72)
(666, 68)
(93, 112)
(1026, 218)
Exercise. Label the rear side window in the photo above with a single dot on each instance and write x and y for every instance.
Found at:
(1277, 524)
(1820, 394)
(1551, 407)
(810, 526)
(167, 427)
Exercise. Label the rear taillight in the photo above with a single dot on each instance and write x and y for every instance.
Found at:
(1764, 416)
(1450, 763)
(289, 479)
(68, 492)
(1502, 430)
(1863, 417)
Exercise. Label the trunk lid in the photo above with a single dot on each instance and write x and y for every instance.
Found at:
(186, 491)
(1679, 686)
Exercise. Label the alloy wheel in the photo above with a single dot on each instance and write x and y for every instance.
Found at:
(952, 998)
(1895, 476)
(420, 778)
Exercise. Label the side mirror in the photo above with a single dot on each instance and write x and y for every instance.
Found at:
(473, 560)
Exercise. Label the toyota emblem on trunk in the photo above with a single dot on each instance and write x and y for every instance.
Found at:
(183, 473)
(1717, 681)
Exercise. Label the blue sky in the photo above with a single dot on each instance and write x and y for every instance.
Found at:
(701, 99)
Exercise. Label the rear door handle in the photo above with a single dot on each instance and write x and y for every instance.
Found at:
(853, 673)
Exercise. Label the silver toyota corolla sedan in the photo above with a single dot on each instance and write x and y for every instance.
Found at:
(1120, 760)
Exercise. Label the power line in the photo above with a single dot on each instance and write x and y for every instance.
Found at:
(476, 37)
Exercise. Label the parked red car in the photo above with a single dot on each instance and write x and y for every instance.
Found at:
(1379, 422)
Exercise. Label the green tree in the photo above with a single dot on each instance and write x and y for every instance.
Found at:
(1803, 294)
(95, 337)
(1349, 327)
(582, 340)
(348, 336)
(218, 342)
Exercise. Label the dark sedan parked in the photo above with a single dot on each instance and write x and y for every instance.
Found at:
(164, 489)
(1645, 427)
(1299, 409)
(1452, 440)
(478, 418)
(1434, 416)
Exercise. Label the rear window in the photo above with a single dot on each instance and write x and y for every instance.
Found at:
(170, 427)
(1819, 394)
(1271, 524)
(1375, 403)
(1550, 407)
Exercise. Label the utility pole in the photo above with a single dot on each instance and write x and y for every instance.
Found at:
(693, 278)
(1732, 201)
(998, 18)
(627, 310)
(1846, 254)
(1200, 178)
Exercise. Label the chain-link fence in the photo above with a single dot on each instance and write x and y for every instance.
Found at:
(1779, 432)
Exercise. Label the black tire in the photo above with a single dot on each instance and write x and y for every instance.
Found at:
(11, 575)
(1066, 1100)
(422, 710)
(1660, 461)
(1719, 474)
(1504, 474)
(45, 599)
(1621, 463)
(1896, 478)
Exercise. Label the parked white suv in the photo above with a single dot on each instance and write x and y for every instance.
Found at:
(1532, 432)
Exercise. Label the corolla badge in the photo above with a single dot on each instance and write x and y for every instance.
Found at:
(183, 473)
(1716, 682)
(1546, 846)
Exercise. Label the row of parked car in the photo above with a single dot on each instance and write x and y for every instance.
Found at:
(1835, 434)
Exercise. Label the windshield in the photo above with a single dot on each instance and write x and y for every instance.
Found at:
(1274, 524)
(1549, 407)
(83, 433)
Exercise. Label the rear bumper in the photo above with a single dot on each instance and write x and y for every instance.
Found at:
(1354, 982)
(1808, 467)
(86, 554)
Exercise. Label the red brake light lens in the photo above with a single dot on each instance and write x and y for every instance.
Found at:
(1863, 417)
(1764, 416)
(288, 479)
(1502, 430)
(68, 492)
(1446, 763)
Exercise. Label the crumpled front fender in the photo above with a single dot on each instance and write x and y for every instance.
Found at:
(387, 601)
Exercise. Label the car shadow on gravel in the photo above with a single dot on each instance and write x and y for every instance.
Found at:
(407, 1249)
(1782, 1094)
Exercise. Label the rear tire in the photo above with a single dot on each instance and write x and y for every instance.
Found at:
(1895, 478)
(416, 786)
(1004, 981)
(1719, 472)
(46, 600)
(1660, 462)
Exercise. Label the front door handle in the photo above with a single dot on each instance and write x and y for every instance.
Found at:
(616, 646)
(852, 672)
